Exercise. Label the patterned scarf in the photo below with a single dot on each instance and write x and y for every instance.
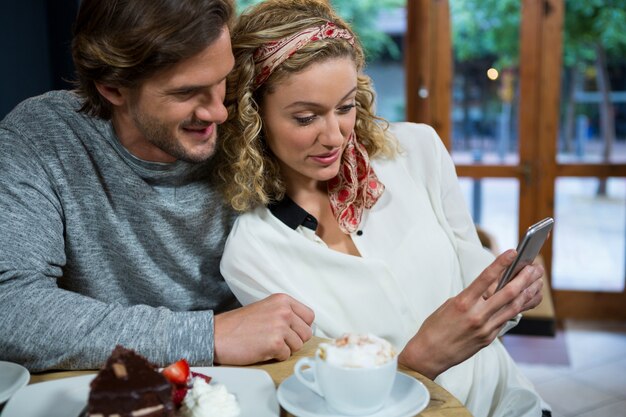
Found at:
(355, 188)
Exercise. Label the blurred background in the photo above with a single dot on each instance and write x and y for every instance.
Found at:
(529, 96)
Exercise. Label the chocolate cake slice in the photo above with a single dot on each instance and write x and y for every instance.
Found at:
(130, 386)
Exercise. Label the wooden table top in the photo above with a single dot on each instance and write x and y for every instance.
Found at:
(442, 403)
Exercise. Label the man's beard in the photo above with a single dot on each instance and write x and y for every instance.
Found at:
(158, 135)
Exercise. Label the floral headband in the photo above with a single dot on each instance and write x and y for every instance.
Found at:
(272, 54)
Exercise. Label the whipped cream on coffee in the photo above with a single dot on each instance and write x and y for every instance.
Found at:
(357, 351)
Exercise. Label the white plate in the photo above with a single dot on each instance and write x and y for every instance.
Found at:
(408, 398)
(66, 397)
(12, 378)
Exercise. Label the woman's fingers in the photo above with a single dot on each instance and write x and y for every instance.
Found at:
(519, 295)
(491, 274)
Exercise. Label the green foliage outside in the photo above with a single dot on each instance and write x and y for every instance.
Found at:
(362, 16)
(490, 28)
(593, 22)
(486, 29)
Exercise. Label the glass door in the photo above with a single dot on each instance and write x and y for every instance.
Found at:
(589, 250)
(498, 102)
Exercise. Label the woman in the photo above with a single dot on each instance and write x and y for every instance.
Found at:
(361, 221)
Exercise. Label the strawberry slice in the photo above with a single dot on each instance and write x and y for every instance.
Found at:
(199, 375)
(177, 373)
(179, 396)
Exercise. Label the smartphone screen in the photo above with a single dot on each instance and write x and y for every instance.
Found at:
(528, 249)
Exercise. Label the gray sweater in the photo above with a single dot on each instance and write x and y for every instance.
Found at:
(98, 247)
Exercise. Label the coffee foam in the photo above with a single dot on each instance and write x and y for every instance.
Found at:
(357, 351)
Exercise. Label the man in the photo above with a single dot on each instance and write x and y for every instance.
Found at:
(110, 228)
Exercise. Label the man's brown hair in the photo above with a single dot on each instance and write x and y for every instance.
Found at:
(121, 43)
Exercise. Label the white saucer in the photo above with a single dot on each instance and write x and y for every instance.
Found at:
(408, 398)
(12, 378)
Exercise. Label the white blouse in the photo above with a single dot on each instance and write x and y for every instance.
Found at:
(418, 247)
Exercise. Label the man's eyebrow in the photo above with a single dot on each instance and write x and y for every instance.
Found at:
(312, 104)
(182, 89)
(190, 88)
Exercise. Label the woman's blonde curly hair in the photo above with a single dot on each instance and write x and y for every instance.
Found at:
(249, 172)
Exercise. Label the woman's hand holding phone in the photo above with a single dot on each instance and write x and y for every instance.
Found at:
(466, 323)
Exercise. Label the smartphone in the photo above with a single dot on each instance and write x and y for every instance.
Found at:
(528, 249)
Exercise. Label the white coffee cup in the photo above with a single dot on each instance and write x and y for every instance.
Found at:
(348, 390)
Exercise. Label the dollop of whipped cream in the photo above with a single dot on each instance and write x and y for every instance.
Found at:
(357, 351)
(209, 400)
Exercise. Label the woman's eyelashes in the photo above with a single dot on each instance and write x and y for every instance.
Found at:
(346, 108)
(308, 119)
(304, 120)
